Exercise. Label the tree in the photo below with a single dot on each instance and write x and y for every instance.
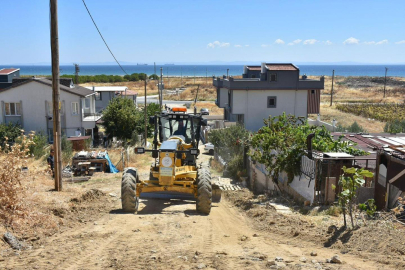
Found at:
(350, 181)
(121, 118)
(153, 77)
(281, 143)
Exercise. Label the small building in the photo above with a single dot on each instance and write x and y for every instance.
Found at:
(130, 95)
(269, 89)
(104, 94)
(29, 103)
(7, 75)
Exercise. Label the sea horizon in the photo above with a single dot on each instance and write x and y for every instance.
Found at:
(176, 70)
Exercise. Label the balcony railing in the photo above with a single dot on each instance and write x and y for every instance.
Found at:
(91, 116)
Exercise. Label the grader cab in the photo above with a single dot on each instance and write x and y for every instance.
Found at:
(175, 169)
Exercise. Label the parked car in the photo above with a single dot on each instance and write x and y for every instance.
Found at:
(209, 147)
(204, 111)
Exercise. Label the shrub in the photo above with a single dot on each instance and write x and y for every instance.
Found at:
(153, 77)
(67, 150)
(11, 189)
(395, 126)
(230, 145)
(40, 142)
(281, 143)
(353, 128)
(9, 132)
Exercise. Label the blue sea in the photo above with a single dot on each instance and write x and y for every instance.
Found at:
(210, 70)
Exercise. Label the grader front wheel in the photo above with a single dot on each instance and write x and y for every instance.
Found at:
(204, 192)
(128, 190)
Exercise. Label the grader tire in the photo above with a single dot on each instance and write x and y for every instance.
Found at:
(129, 200)
(204, 192)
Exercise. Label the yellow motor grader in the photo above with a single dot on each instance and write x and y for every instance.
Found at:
(175, 169)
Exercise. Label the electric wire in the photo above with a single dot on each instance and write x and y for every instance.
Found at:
(88, 11)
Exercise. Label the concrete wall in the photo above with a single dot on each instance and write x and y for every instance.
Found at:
(105, 100)
(34, 109)
(223, 97)
(253, 105)
(318, 123)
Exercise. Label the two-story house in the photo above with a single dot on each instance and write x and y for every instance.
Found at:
(269, 89)
(7, 75)
(29, 102)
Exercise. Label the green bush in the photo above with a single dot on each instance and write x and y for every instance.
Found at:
(353, 128)
(38, 149)
(396, 126)
(10, 131)
(67, 150)
(281, 142)
(230, 144)
(153, 77)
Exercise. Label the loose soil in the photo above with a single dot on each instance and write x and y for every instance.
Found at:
(242, 232)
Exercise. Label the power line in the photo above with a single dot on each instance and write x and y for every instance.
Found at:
(103, 38)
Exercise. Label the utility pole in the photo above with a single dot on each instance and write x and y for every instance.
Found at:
(55, 96)
(161, 88)
(154, 64)
(168, 84)
(146, 120)
(181, 77)
(77, 70)
(331, 91)
(227, 72)
(385, 80)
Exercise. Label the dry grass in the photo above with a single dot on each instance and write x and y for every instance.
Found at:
(329, 113)
(343, 93)
(170, 83)
(212, 107)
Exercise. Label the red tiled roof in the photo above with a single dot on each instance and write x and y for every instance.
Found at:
(129, 93)
(8, 70)
(281, 67)
(254, 67)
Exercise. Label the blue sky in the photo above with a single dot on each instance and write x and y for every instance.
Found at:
(203, 31)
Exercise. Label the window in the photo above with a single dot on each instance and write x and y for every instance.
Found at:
(312, 91)
(87, 103)
(273, 77)
(75, 108)
(13, 108)
(253, 76)
(271, 102)
(98, 95)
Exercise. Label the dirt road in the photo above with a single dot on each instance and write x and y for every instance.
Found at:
(170, 234)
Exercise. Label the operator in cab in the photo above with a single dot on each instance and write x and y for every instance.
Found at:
(180, 129)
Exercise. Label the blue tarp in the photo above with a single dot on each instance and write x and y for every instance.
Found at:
(112, 167)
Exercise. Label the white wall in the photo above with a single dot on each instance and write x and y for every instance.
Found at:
(253, 104)
(33, 96)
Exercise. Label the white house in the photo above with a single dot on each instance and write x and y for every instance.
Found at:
(29, 102)
(269, 89)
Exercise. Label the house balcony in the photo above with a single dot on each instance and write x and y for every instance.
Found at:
(91, 117)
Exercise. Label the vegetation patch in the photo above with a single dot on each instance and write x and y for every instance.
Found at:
(281, 143)
(380, 111)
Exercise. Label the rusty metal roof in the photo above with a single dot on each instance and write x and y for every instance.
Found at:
(6, 71)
